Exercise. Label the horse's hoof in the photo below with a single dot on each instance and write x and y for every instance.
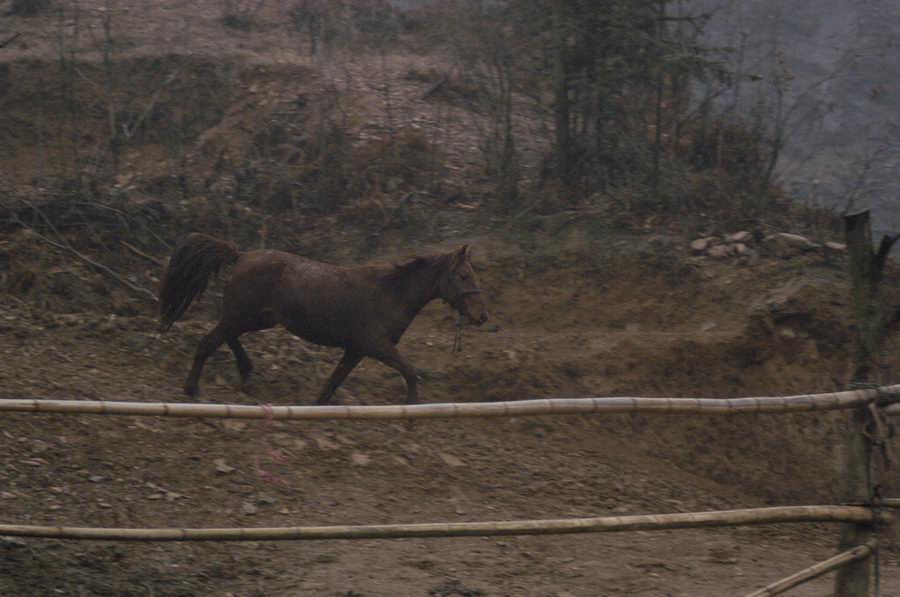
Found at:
(191, 392)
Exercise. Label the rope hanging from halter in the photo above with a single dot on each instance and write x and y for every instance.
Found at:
(457, 338)
(456, 303)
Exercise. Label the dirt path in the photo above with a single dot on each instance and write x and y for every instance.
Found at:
(148, 472)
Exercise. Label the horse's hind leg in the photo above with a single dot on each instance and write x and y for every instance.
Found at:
(263, 321)
(244, 364)
(208, 345)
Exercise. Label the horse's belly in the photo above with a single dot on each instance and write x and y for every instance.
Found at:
(316, 335)
(315, 332)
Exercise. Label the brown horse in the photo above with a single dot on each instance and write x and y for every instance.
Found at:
(364, 310)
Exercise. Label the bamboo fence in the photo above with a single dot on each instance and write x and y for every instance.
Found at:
(610, 524)
(816, 570)
(548, 406)
(887, 397)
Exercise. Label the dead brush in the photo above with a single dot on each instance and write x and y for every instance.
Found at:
(393, 161)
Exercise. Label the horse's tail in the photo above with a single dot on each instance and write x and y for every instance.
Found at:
(196, 258)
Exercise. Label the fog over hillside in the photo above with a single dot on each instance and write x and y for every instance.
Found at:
(843, 134)
(841, 116)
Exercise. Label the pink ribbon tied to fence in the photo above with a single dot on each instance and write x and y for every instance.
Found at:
(264, 446)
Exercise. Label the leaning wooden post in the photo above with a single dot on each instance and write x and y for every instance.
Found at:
(859, 487)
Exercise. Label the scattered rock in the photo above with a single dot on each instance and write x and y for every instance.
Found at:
(739, 237)
(701, 244)
(836, 247)
(232, 425)
(249, 509)
(360, 459)
(741, 249)
(325, 444)
(12, 543)
(451, 460)
(719, 251)
(785, 245)
(222, 466)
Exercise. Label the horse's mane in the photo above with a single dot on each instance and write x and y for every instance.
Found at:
(412, 265)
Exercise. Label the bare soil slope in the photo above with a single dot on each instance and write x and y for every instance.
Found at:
(573, 323)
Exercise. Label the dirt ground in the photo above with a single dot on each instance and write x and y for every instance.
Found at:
(555, 331)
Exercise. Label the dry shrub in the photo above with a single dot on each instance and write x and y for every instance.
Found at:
(734, 148)
(28, 8)
(393, 161)
(240, 14)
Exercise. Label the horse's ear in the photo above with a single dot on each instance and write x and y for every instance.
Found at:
(460, 254)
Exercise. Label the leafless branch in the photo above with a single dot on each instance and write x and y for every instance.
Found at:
(9, 40)
(58, 241)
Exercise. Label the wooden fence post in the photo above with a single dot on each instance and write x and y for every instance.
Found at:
(866, 268)
(853, 579)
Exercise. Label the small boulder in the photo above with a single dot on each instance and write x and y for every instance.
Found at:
(785, 244)
(700, 245)
(739, 237)
(719, 251)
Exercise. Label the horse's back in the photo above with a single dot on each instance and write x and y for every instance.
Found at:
(323, 303)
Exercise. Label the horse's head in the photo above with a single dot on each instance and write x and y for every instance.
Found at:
(460, 289)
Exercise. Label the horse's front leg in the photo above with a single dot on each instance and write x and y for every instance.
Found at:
(348, 362)
(391, 357)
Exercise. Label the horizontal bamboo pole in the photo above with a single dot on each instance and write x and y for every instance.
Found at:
(549, 406)
(889, 503)
(815, 571)
(892, 409)
(650, 522)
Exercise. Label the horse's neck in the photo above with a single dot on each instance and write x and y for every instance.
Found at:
(420, 288)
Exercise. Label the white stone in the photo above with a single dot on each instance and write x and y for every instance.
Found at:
(785, 244)
(701, 244)
(719, 251)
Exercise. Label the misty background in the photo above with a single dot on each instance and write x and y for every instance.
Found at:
(840, 104)
(842, 141)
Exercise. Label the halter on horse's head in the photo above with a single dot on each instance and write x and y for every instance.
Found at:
(460, 290)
